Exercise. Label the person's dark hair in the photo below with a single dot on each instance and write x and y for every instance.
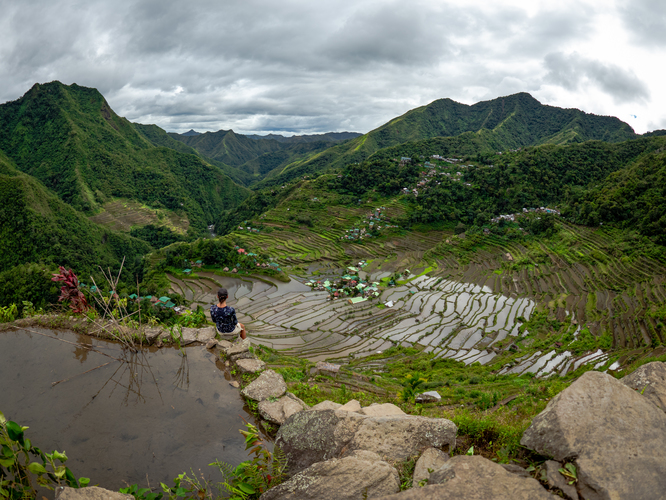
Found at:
(222, 294)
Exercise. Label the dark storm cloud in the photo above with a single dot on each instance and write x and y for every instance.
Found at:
(294, 65)
(572, 71)
(645, 19)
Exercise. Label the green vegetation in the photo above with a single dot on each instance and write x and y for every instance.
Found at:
(504, 123)
(24, 467)
(69, 139)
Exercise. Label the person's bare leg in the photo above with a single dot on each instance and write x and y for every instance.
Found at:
(243, 333)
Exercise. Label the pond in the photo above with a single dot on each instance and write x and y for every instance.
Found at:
(155, 416)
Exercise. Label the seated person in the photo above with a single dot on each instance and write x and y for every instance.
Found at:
(224, 316)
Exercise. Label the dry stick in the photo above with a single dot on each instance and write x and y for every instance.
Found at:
(53, 384)
(65, 341)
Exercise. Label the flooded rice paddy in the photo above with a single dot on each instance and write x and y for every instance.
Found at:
(451, 319)
(122, 422)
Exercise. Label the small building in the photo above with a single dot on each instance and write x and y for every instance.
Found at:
(187, 271)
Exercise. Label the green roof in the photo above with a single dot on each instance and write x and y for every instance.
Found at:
(187, 271)
(133, 296)
(165, 299)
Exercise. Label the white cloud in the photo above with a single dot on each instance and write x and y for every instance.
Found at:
(301, 66)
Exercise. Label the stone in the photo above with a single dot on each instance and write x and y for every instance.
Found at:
(361, 474)
(317, 435)
(650, 381)
(429, 397)
(383, 410)
(298, 400)
(515, 469)
(279, 411)
(211, 344)
(250, 365)
(351, 405)
(152, 333)
(556, 480)
(475, 478)
(269, 384)
(89, 493)
(239, 348)
(224, 344)
(235, 384)
(327, 368)
(399, 437)
(430, 460)
(326, 405)
(616, 437)
(191, 335)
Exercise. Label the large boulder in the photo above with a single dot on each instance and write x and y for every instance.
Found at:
(89, 493)
(615, 437)
(650, 381)
(430, 460)
(315, 436)
(475, 478)
(279, 411)
(361, 474)
(269, 384)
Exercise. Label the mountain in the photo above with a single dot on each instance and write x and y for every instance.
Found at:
(37, 227)
(69, 138)
(505, 123)
(254, 157)
(160, 138)
(191, 132)
(327, 137)
(633, 197)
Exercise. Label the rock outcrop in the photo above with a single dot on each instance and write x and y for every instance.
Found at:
(615, 437)
(318, 435)
(650, 381)
(269, 384)
(475, 478)
(361, 474)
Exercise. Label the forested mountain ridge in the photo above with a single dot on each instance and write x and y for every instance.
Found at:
(504, 123)
(255, 157)
(327, 137)
(69, 138)
(37, 227)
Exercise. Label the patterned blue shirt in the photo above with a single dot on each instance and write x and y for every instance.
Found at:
(224, 318)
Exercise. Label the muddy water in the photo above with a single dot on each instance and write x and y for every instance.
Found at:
(157, 415)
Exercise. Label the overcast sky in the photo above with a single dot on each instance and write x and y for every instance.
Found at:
(310, 66)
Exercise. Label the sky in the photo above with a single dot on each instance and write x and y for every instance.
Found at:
(304, 66)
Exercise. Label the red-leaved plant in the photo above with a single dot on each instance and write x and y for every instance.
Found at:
(69, 291)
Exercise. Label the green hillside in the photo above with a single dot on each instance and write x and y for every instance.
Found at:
(69, 138)
(504, 123)
(160, 138)
(227, 146)
(633, 197)
(254, 157)
(37, 227)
